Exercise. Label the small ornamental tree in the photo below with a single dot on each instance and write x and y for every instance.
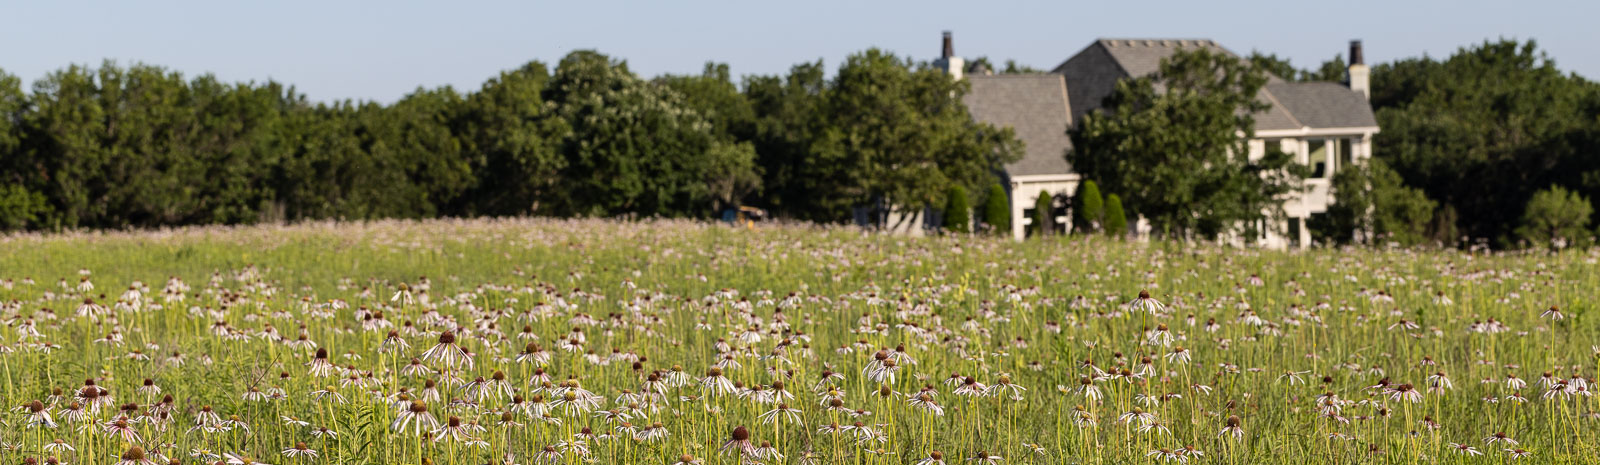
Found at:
(1555, 218)
(997, 210)
(957, 214)
(1042, 218)
(1088, 207)
(20, 208)
(1116, 220)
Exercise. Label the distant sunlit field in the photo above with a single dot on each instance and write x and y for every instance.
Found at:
(546, 342)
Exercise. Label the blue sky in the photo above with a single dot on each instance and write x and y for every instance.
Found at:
(334, 50)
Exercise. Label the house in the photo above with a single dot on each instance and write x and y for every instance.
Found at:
(1325, 125)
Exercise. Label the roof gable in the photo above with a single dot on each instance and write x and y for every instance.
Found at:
(1323, 104)
(1142, 57)
(1033, 105)
(1092, 73)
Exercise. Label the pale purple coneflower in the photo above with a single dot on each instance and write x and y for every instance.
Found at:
(448, 352)
(1144, 303)
(1404, 392)
(134, 456)
(783, 413)
(415, 415)
(1464, 449)
(1233, 427)
(300, 450)
(985, 458)
(738, 441)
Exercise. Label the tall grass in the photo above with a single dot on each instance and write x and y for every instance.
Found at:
(1002, 336)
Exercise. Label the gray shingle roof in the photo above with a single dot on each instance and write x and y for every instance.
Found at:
(1036, 107)
(1323, 104)
(1276, 116)
(1092, 75)
(1140, 57)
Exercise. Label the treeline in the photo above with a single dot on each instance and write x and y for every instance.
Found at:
(1491, 135)
(1493, 146)
(142, 146)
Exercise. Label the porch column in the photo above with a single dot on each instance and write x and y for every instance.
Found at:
(1019, 218)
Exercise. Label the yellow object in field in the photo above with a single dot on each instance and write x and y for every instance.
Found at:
(744, 216)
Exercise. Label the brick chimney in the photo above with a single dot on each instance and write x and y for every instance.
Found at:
(948, 61)
(1359, 77)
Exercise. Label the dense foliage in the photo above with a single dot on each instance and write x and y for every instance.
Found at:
(957, 211)
(997, 210)
(1116, 217)
(1331, 70)
(1187, 181)
(1556, 218)
(142, 146)
(1466, 140)
(1371, 200)
(1088, 208)
(1043, 217)
(1465, 143)
(1484, 129)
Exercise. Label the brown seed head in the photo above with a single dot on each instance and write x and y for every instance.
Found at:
(134, 454)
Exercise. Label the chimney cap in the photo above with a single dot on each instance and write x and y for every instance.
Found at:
(1356, 57)
(949, 49)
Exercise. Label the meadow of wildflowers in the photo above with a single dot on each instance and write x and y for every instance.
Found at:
(674, 343)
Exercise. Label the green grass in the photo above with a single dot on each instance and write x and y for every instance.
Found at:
(665, 293)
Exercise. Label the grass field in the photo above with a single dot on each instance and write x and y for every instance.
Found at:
(535, 341)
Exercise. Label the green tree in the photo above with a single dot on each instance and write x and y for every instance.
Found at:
(512, 138)
(1043, 220)
(422, 159)
(716, 98)
(326, 170)
(787, 118)
(1116, 219)
(634, 148)
(900, 133)
(957, 213)
(997, 210)
(19, 207)
(1483, 129)
(139, 146)
(1011, 67)
(1272, 64)
(1333, 70)
(237, 140)
(732, 174)
(1556, 218)
(1194, 180)
(1372, 203)
(1444, 225)
(13, 106)
(1088, 209)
